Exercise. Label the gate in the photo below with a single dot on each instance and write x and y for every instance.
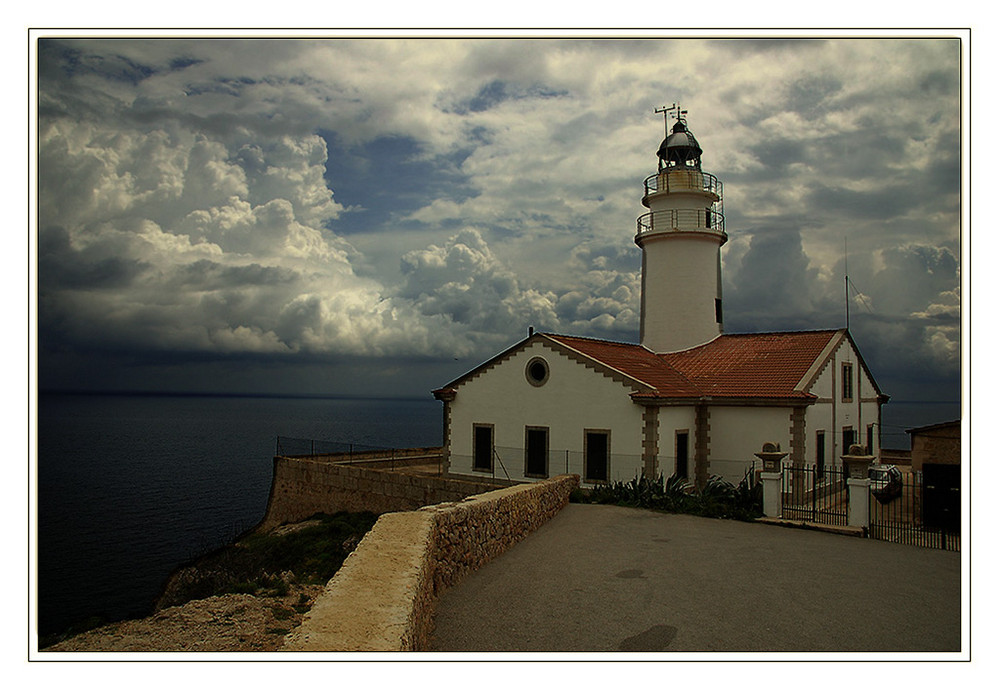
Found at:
(817, 495)
(921, 509)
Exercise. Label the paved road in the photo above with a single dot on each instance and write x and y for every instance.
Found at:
(606, 578)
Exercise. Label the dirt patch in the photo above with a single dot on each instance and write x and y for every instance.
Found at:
(222, 623)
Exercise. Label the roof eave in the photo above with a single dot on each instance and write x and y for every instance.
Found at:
(455, 383)
(809, 378)
(794, 400)
(556, 344)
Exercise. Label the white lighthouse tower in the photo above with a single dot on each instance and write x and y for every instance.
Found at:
(681, 238)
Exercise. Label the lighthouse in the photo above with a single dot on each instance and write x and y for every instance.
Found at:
(687, 401)
(681, 238)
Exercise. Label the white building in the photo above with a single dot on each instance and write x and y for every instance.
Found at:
(688, 399)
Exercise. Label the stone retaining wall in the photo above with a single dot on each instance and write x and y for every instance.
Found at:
(382, 598)
(303, 486)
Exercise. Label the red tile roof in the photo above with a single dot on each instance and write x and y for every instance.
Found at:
(634, 361)
(767, 365)
(758, 365)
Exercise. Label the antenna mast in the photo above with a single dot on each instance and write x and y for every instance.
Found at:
(674, 110)
(847, 289)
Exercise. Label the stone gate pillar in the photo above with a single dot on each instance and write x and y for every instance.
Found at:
(857, 462)
(770, 477)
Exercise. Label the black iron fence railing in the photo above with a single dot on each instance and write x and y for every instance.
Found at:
(816, 495)
(421, 460)
(911, 509)
(678, 180)
(294, 446)
(681, 220)
(508, 462)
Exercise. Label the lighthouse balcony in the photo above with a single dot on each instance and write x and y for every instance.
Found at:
(681, 220)
(682, 179)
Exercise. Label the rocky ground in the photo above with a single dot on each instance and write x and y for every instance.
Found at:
(221, 623)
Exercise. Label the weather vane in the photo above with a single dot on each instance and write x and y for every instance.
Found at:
(674, 110)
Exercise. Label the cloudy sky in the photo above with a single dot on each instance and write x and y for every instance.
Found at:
(376, 216)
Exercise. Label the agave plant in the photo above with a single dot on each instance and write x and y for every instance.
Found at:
(718, 498)
(749, 497)
(677, 486)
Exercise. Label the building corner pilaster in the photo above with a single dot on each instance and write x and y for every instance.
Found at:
(702, 443)
(650, 441)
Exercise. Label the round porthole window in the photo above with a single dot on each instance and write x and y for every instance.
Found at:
(537, 371)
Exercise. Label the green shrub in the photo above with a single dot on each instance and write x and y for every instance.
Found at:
(717, 499)
(310, 555)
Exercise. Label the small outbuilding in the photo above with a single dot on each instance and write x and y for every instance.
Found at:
(936, 444)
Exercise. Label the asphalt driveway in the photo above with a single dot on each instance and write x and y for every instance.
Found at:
(607, 578)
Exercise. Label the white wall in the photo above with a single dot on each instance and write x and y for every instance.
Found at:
(681, 271)
(576, 398)
(737, 432)
(573, 399)
(832, 414)
(680, 285)
(673, 419)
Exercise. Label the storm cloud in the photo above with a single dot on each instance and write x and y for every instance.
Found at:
(386, 206)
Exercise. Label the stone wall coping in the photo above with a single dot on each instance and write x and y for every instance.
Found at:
(368, 604)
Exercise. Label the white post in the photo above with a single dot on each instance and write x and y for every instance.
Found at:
(858, 494)
(772, 494)
(857, 462)
(770, 477)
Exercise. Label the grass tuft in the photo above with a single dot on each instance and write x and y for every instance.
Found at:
(265, 564)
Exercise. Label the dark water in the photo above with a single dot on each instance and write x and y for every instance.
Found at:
(131, 486)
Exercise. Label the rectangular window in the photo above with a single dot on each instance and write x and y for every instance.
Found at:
(718, 310)
(870, 440)
(820, 454)
(482, 458)
(597, 451)
(536, 451)
(847, 439)
(847, 382)
(681, 454)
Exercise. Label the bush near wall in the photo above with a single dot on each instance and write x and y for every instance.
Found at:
(255, 564)
(717, 499)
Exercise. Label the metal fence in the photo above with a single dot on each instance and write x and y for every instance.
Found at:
(681, 219)
(681, 181)
(920, 509)
(817, 495)
(293, 446)
(513, 462)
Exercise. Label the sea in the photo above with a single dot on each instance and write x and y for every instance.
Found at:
(131, 486)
